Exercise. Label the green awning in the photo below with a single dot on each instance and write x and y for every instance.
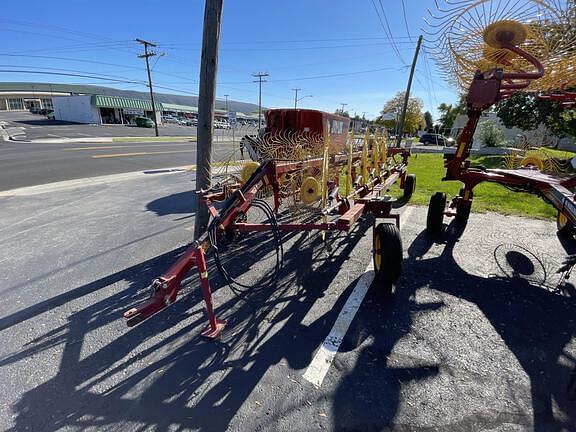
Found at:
(121, 102)
(179, 108)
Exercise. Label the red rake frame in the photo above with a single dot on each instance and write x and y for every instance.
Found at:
(237, 200)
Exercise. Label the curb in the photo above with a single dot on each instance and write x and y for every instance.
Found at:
(70, 140)
(99, 180)
(89, 181)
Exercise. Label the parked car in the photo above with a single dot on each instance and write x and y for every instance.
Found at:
(144, 122)
(436, 139)
(218, 124)
(170, 119)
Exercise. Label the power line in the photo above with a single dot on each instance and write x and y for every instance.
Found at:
(430, 78)
(386, 28)
(390, 33)
(71, 71)
(310, 48)
(93, 76)
(86, 46)
(67, 74)
(29, 24)
(324, 76)
(236, 42)
(92, 62)
(406, 21)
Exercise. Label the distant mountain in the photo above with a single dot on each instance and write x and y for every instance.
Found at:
(238, 106)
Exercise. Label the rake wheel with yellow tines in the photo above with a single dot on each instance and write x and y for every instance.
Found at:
(493, 49)
(306, 173)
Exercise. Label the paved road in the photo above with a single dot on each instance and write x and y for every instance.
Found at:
(37, 127)
(28, 164)
(475, 339)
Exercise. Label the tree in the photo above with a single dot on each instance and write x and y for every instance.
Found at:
(392, 112)
(428, 120)
(526, 111)
(450, 112)
(342, 113)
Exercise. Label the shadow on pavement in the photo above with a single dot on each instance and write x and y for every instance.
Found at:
(179, 203)
(46, 122)
(177, 379)
(535, 323)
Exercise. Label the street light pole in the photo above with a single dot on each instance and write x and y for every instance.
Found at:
(146, 55)
(343, 105)
(296, 90)
(260, 75)
(226, 96)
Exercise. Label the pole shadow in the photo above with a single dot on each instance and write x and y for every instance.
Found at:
(178, 380)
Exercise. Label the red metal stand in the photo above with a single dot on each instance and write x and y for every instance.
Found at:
(165, 291)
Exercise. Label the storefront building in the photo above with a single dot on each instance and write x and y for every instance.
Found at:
(24, 96)
(106, 110)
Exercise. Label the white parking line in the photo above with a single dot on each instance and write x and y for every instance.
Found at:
(324, 357)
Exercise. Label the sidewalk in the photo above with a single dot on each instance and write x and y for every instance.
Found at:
(105, 139)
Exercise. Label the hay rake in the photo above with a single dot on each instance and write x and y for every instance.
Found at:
(306, 159)
(494, 49)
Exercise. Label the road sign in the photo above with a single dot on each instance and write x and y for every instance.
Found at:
(232, 117)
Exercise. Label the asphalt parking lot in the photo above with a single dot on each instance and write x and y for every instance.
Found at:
(476, 337)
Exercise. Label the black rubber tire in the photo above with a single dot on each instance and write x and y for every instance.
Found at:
(564, 227)
(409, 186)
(435, 217)
(463, 211)
(387, 244)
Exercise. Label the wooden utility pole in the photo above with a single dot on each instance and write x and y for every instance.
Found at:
(145, 56)
(407, 96)
(206, 101)
(260, 75)
(296, 90)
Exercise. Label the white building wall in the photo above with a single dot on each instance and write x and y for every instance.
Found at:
(537, 137)
(76, 109)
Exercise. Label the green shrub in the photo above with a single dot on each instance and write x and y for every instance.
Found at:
(490, 135)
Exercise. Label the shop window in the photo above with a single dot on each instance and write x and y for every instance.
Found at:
(47, 103)
(15, 104)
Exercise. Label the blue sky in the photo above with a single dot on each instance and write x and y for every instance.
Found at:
(337, 51)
